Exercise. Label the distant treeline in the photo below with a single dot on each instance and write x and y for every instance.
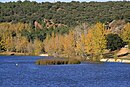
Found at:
(81, 41)
(71, 14)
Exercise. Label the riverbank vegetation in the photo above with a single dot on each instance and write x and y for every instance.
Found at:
(85, 41)
(89, 33)
(90, 43)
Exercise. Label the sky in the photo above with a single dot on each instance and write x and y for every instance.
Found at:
(61, 0)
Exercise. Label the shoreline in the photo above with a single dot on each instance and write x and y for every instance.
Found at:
(118, 60)
(13, 53)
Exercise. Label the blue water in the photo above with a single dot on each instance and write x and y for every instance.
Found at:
(27, 74)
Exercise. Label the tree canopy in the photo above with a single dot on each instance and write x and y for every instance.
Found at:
(114, 42)
(68, 13)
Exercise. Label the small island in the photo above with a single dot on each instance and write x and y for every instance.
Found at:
(57, 61)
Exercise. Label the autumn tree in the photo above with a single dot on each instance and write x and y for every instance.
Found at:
(10, 33)
(80, 45)
(96, 41)
(58, 44)
(89, 42)
(80, 37)
(50, 44)
(21, 45)
(99, 38)
(69, 44)
(46, 43)
(2, 45)
(54, 44)
(38, 46)
(125, 35)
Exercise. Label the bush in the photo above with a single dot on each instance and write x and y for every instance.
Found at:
(114, 42)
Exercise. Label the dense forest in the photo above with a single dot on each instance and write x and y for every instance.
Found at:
(68, 13)
(74, 29)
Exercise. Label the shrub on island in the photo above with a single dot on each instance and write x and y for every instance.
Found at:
(56, 61)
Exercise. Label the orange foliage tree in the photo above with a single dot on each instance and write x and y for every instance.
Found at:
(126, 33)
(96, 41)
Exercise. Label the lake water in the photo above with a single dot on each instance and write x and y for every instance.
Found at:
(27, 74)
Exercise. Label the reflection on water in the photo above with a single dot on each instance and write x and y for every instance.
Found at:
(27, 74)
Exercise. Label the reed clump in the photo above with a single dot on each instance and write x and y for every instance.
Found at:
(57, 61)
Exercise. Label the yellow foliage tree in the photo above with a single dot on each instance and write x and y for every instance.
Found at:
(9, 42)
(80, 45)
(125, 35)
(53, 43)
(58, 44)
(47, 44)
(38, 46)
(89, 42)
(21, 44)
(50, 45)
(69, 44)
(2, 45)
(99, 38)
(11, 34)
(96, 41)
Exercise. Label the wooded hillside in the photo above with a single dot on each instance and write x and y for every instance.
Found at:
(71, 14)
